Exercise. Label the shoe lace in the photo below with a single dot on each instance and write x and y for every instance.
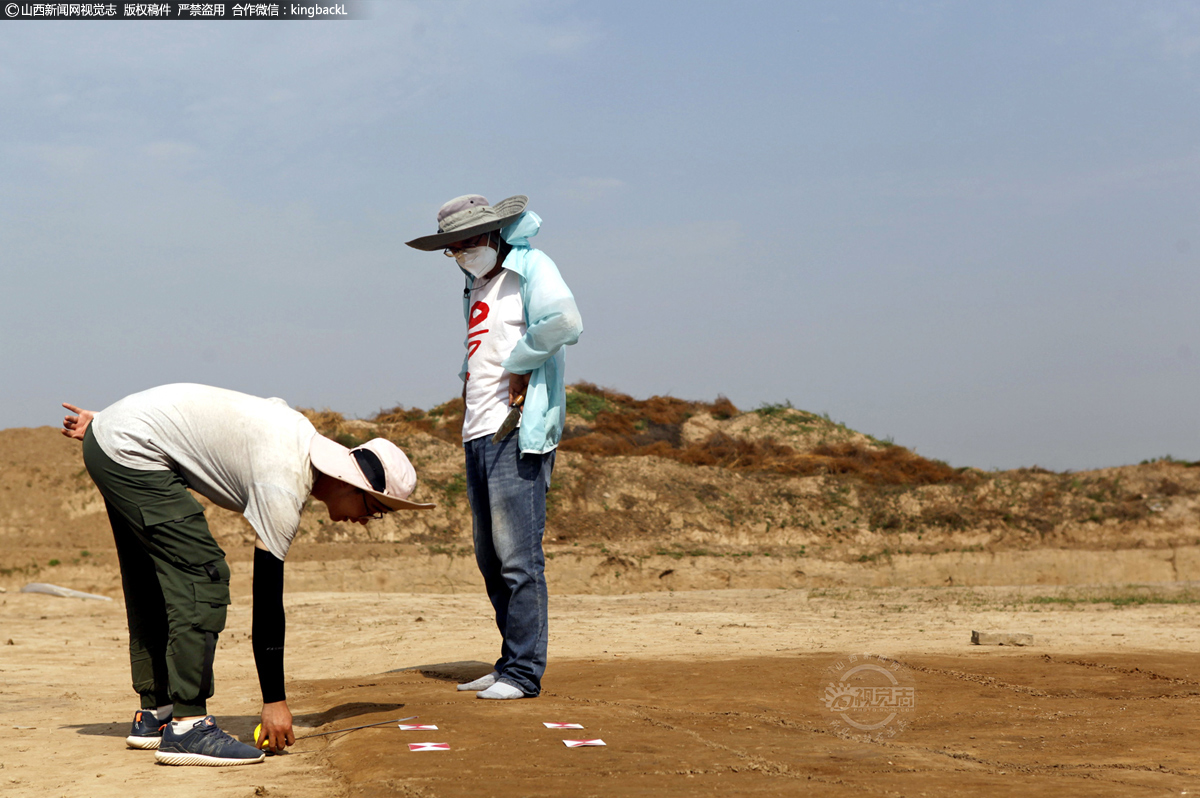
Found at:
(215, 732)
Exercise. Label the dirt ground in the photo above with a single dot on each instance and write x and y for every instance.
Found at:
(824, 664)
(693, 692)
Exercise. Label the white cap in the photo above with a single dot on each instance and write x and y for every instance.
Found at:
(376, 464)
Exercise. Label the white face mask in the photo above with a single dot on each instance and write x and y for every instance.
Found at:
(477, 260)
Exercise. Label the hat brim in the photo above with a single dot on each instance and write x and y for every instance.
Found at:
(330, 457)
(398, 504)
(510, 210)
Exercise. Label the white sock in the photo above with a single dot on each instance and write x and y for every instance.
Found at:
(182, 726)
(501, 690)
(164, 712)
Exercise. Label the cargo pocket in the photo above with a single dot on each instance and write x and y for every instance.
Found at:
(175, 530)
(175, 508)
(212, 599)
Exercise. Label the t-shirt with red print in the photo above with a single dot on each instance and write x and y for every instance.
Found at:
(495, 324)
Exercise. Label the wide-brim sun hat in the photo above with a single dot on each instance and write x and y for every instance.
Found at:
(378, 467)
(468, 216)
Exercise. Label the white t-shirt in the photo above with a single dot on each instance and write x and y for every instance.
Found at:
(496, 323)
(241, 452)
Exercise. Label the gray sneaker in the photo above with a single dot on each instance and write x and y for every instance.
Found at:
(205, 744)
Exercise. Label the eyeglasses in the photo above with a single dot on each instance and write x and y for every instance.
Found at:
(374, 515)
(458, 246)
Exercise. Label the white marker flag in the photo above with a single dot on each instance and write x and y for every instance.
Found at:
(563, 725)
(429, 746)
(581, 743)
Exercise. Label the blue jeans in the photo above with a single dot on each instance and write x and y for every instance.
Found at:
(507, 492)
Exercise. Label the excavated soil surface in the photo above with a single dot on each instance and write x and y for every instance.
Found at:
(694, 693)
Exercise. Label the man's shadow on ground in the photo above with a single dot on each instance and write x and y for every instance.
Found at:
(467, 670)
(242, 726)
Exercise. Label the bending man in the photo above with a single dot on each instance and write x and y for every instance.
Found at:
(258, 457)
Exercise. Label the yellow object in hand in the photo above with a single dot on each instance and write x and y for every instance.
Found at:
(260, 743)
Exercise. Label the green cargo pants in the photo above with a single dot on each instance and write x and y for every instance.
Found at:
(175, 578)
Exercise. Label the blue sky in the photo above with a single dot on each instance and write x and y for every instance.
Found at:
(974, 228)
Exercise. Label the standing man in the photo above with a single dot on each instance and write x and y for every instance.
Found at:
(258, 457)
(519, 314)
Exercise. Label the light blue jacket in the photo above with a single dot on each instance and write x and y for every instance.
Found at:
(552, 321)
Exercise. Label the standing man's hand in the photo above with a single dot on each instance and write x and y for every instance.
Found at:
(75, 426)
(277, 726)
(517, 385)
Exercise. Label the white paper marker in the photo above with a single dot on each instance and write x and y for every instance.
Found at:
(563, 725)
(429, 746)
(581, 743)
(418, 727)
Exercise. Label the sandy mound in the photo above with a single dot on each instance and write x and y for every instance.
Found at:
(663, 494)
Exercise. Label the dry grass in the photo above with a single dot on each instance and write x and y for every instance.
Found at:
(893, 465)
(335, 426)
(624, 426)
(590, 401)
(443, 421)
